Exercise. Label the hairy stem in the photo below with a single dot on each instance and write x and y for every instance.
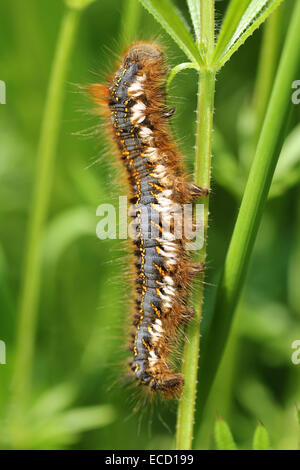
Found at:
(206, 88)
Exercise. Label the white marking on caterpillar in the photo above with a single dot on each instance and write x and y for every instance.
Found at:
(138, 112)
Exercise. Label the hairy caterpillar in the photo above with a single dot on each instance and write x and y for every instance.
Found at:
(134, 102)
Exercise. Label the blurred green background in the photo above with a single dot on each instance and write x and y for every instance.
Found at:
(78, 399)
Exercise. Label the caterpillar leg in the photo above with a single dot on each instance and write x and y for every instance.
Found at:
(171, 384)
(196, 191)
(187, 315)
(185, 192)
(168, 114)
(194, 269)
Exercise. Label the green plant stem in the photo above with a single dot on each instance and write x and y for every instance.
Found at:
(178, 68)
(206, 88)
(267, 67)
(251, 211)
(41, 195)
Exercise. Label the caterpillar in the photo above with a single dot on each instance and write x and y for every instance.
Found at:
(135, 106)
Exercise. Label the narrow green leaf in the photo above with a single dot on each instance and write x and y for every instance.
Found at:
(207, 30)
(178, 68)
(194, 8)
(168, 16)
(256, 13)
(234, 12)
(261, 439)
(223, 436)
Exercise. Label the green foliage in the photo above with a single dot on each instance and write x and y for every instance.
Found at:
(168, 16)
(242, 19)
(223, 436)
(261, 439)
(234, 12)
(179, 68)
(224, 439)
(250, 212)
(41, 195)
(254, 15)
(52, 424)
(194, 8)
(230, 174)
